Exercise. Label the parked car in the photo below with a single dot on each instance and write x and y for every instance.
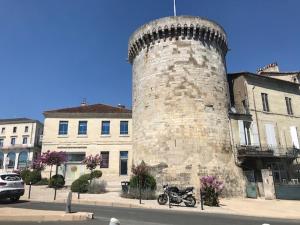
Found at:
(11, 186)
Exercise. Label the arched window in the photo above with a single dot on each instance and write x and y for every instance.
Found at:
(12, 159)
(23, 157)
(1, 159)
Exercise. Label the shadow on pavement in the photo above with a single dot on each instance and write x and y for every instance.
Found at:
(8, 202)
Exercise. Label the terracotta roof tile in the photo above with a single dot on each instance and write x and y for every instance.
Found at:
(96, 108)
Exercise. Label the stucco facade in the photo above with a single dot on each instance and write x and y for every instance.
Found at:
(77, 146)
(265, 124)
(19, 142)
(181, 102)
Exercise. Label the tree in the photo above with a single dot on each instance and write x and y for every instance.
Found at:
(53, 158)
(92, 162)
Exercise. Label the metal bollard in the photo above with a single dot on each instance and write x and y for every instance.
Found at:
(169, 196)
(114, 221)
(201, 199)
(55, 193)
(29, 191)
(69, 202)
(78, 195)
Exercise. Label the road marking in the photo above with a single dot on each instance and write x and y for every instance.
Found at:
(265, 224)
(128, 222)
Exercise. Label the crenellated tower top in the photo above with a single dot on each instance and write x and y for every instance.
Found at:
(184, 27)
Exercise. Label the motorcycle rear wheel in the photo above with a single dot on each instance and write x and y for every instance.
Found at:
(190, 201)
(162, 199)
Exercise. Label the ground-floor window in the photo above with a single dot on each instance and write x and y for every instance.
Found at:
(1, 160)
(279, 172)
(12, 158)
(75, 157)
(123, 162)
(105, 160)
(23, 159)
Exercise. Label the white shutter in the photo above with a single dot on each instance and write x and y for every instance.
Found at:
(242, 132)
(294, 136)
(270, 133)
(255, 138)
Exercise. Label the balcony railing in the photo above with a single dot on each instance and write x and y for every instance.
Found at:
(266, 151)
(16, 146)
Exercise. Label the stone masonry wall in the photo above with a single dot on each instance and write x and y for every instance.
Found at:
(180, 111)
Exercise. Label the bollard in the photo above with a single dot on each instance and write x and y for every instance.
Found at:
(55, 193)
(114, 221)
(69, 202)
(169, 196)
(140, 190)
(29, 191)
(201, 199)
(78, 195)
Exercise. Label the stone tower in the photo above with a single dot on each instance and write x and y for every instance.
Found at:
(181, 101)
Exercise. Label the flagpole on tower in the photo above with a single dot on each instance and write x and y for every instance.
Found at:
(174, 7)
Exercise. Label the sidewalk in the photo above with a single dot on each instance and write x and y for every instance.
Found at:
(18, 214)
(283, 209)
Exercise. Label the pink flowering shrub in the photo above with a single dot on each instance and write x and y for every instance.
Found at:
(212, 187)
(38, 164)
(91, 162)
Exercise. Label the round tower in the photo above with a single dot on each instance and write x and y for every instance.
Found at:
(181, 101)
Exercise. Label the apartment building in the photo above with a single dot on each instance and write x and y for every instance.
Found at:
(19, 142)
(265, 123)
(90, 130)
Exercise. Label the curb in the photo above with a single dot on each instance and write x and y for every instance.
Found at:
(78, 216)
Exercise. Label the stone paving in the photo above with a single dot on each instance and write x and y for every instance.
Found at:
(19, 214)
(283, 209)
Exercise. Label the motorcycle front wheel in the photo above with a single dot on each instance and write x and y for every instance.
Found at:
(190, 201)
(162, 199)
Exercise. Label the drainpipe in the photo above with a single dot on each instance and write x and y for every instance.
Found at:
(257, 124)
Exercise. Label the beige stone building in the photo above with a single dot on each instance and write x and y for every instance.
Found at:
(19, 142)
(90, 130)
(265, 123)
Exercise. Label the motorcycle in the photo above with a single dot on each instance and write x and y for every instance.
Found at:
(176, 196)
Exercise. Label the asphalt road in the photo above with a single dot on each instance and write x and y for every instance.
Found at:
(129, 216)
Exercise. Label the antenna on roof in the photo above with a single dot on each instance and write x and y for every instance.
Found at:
(83, 103)
(174, 7)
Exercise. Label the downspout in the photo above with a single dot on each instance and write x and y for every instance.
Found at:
(257, 124)
(233, 147)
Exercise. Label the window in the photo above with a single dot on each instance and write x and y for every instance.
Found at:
(75, 157)
(23, 158)
(12, 157)
(63, 128)
(265, 102)
(288, 102)
(124, 127)
(2, 130)
(14, 129)
(123, 162)
(13, 141)
(24, 140)
(105, 128)
(1, 142)
(82, 127)
(105, 160)
(26, 129)
(1, 159)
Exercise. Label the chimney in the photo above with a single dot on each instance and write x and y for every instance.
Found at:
(273, 67)
(121, 106)
(83, 103)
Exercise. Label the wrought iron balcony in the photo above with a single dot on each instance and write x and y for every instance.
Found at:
(253, 151)
(244, 151)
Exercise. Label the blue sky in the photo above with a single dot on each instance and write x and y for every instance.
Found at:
(54, 53)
